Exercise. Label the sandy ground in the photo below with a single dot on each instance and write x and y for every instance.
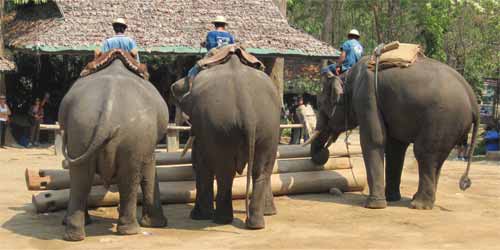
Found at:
(460, 220)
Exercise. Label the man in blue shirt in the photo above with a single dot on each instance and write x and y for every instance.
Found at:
(215, 39)
(218, 37)
(352, 51)
(119, 40)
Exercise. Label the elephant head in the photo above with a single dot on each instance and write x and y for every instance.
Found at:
(335, 116)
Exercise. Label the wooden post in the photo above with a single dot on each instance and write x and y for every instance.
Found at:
(277, 67)
(172, 139)
(58, 147)
(3, 88)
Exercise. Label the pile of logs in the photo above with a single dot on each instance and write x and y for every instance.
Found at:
(294, 173)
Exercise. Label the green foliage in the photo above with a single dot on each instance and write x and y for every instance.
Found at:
(302, 85)
(465, 34)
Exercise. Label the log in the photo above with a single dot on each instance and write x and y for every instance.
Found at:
(55, 179)
(185, 191)
(284, 152)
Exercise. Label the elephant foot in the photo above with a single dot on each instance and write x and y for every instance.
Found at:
(393, 196)
(270, 210)
(74, 234)
(155, 221)
(421, 204)
(88, 220)
(254, 223)
(196, 214)
(374, 203)
(128, 229)
(223, 220)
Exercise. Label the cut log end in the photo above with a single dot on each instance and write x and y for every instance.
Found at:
(36, 180)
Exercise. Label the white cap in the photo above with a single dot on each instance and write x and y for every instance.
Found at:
(120, 21)
(354, 32)
(219, 19)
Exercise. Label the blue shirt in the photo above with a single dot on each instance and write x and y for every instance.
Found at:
(491, 137)
(353, 52)
(218, 38)
(119, 42)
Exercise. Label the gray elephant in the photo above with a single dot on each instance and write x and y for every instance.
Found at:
(428, 104)
(235, 117)
(112, 121)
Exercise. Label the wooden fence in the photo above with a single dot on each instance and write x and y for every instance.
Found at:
(172, 140)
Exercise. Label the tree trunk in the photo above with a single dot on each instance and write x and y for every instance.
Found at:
(3, 88)
(392, 11)
(460, 67)
(376, 10)
(326, 34)
(277, 72)
(338, 33)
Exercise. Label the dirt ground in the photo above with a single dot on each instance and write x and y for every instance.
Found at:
(460, 220)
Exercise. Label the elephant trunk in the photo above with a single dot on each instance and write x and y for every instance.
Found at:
(319, 148)
(180, 88)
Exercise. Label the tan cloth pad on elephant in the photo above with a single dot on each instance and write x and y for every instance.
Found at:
(222, 55)
(105, 59)
(400, 55)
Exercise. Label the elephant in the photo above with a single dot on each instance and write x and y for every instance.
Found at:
(428, 104)
(234, 110)
(111, 122)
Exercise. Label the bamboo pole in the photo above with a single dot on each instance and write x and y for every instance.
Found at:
(55, 179)
(185, 191)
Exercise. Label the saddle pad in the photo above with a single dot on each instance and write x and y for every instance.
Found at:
(105, 59)
(221, 55)
(398, 55)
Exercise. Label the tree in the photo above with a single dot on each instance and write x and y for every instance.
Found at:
(465, 34)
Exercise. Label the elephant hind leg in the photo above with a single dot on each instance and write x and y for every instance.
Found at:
(129, 177)
(261, 202)
(204, 203)
(152, 211)
(224, 201)
(395, 157)
(270, 208)
(429, 166)
(82, 177)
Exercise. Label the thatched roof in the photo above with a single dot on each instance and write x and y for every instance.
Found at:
(6, 65)
(159, 26)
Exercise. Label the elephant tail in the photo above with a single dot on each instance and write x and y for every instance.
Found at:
(100, 136)
(465, 181)
(251, 127)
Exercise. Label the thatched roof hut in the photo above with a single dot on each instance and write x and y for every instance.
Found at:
(159, 26)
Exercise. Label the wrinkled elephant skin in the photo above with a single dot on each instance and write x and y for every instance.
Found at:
(234, 112)
(428, 104)
(112, 121)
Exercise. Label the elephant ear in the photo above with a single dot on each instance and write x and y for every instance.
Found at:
(178, 88)
(337, 88)
(332, 86)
